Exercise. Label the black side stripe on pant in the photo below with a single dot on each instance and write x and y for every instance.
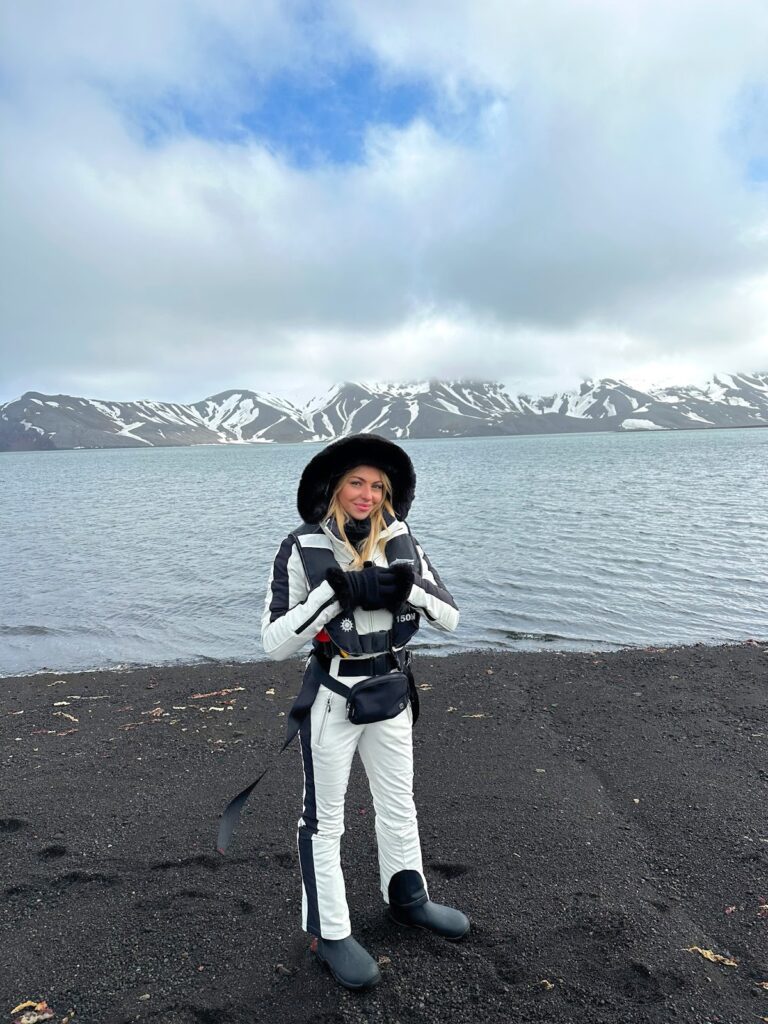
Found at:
(308, 828)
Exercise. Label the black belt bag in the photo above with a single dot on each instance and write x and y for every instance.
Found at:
(378, 698)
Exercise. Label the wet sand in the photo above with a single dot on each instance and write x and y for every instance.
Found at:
(597, 816)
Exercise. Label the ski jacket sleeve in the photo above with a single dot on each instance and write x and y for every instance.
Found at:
(430, 596)
(293, 613)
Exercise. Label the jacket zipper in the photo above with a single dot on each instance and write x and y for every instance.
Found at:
(324, 722)
(370, 619)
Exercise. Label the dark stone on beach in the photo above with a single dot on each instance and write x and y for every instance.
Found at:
(605, 817)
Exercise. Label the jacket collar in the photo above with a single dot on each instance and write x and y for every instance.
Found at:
(393, 528)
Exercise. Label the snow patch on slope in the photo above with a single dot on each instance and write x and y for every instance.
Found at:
(631, 424)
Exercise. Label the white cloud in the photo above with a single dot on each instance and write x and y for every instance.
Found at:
(595, 218)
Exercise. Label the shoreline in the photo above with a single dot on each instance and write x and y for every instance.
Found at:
(232, 663)
(652, 429)
(599, 815)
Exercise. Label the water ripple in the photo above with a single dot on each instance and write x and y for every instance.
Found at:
(562, 542)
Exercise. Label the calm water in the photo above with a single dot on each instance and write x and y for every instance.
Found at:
(587, 542)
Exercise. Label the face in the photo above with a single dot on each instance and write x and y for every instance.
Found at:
(362, 492)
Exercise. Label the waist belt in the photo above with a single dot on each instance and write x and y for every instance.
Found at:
(375, 666)
(376, 643)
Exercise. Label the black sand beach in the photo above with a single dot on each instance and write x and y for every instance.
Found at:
(597, 816)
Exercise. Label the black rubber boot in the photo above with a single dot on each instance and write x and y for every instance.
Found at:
(410, 906)
(350, 964)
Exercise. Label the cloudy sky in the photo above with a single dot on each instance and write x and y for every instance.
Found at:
(277, 195)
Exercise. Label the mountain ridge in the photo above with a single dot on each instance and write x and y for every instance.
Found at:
(434, 408)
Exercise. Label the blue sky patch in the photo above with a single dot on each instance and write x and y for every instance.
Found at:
(757, 169)
(325, 118)
(746, 135)
(309, 118)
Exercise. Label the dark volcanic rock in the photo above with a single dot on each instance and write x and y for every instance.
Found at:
(597, 816)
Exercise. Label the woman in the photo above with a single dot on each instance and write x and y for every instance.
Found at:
(354, 582)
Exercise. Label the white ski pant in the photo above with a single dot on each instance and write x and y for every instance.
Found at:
(328, 744)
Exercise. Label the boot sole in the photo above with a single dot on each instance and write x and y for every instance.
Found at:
(423, 928)
(346, 984)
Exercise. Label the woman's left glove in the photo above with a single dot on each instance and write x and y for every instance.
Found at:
(395, 584)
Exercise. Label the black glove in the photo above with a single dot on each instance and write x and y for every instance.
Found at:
(395, 585)
(356, 589)
(372, 587)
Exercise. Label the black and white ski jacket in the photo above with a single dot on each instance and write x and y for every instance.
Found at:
(294, 613)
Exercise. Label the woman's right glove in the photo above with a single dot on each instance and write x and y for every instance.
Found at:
(372, 587)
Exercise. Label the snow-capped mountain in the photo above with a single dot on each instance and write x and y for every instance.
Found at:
(61, 421)
(248, 416)
(428, 409)
(729, 400)
(434, 409)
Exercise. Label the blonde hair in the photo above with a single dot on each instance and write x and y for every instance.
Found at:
(378, 523)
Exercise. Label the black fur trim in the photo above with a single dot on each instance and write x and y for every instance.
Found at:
(338, 580)
(322, 472)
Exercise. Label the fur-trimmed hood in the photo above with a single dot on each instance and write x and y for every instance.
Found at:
(323, 472)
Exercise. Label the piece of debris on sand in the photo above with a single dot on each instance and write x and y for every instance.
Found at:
(35, 1011)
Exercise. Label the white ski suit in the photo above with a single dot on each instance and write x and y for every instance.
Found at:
(293, 615)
